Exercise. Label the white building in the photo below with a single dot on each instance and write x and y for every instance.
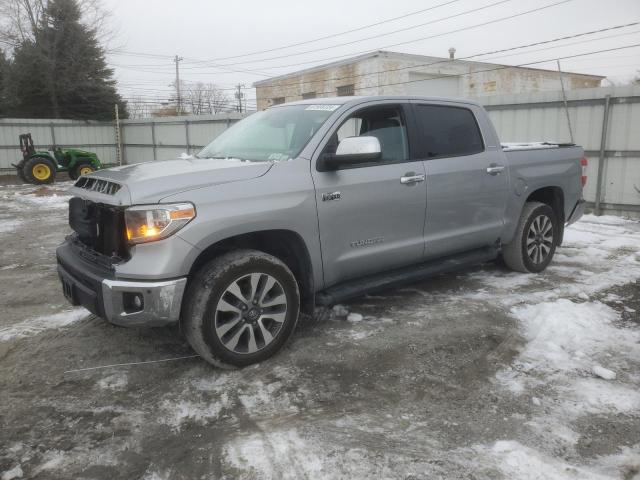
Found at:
(390, 73)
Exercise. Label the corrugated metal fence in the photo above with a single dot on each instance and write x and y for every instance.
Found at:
(605, 121)
(142, 140)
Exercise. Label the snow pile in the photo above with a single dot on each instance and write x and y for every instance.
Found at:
(33, 326)
(187, 411)
(508, 146)
(15, 472)
(53, 201)
(577, 352)
(9, 225)
(564, 336)
(275, 455)
(519, 462)
(596, 396)
(603, 373)
(597, 253)
(116, 381)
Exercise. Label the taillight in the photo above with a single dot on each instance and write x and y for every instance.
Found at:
(583, 163)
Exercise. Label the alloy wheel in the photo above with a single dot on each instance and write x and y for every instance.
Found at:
(250, 313)
(539, 239)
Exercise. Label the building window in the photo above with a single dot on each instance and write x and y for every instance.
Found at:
(346, 90)
(308, 95)
(277, 100)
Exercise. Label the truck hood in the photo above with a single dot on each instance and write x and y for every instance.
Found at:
(148, 182)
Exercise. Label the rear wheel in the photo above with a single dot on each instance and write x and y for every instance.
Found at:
(39, 170)
(241, 308)
(535, 241)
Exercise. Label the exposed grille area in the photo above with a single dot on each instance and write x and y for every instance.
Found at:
(99, 227)
(98, 185)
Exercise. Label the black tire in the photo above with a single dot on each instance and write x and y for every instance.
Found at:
(202, 321)
(531, 252)
(32, 168)
(79, 166)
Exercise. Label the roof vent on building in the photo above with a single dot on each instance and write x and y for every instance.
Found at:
(452, 53)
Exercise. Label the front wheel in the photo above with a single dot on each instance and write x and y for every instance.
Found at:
(535, 241)
(81, 169)
(240, 308)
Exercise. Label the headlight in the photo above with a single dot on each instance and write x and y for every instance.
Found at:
(147, 223)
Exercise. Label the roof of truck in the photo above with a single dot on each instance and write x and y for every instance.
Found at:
(355, 100)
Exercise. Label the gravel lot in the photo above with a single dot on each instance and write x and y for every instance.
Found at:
(485, 374)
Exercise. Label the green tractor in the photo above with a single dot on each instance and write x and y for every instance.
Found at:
(40, 167)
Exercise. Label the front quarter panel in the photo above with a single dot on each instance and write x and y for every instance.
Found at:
(283, 199)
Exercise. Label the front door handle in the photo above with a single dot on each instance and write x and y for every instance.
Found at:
(495, 169)
(410, 178)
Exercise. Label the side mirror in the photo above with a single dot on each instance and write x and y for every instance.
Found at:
(352, 151)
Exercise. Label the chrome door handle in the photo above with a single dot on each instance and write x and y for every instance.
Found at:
(411, 179)
(494, 169)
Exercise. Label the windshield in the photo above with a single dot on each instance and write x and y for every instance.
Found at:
(276, 134)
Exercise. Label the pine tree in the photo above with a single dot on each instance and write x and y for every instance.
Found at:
(62, 73)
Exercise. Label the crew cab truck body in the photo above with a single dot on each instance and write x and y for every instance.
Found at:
(310, 203)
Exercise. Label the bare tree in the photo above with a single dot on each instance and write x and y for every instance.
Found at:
(205, 98)
(19, 20)
(138, 107)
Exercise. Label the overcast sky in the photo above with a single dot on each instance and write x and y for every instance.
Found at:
(215, 37)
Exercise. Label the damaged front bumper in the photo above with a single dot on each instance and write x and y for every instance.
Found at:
(122, 302)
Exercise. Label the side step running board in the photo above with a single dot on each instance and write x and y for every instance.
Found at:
(401, 276)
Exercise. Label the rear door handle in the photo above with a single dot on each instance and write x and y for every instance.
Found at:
(495, 169)
(410, 178)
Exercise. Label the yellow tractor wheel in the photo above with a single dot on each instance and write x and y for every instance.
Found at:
(85, 170)
(82, 169)
(39, 170)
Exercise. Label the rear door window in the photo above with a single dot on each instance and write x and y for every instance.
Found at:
(448, 131)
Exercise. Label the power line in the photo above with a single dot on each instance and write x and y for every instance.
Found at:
(575, 43)
(490, 22)
(306, 42)
(208, 64)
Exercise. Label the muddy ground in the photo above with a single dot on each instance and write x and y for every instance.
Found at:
(439, 380)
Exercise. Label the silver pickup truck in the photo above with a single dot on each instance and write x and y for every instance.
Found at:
(310, 203)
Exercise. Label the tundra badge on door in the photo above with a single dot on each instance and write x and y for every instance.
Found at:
(331, 196)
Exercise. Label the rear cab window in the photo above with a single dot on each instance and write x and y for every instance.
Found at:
(447, 131)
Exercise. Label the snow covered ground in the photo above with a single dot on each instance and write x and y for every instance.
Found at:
(484, 374)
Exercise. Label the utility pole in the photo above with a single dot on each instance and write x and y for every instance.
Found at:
(239, 96)
(118, 137)
(177, 60)
(566, 105)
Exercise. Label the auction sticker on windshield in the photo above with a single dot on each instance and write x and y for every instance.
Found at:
(323, 108)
